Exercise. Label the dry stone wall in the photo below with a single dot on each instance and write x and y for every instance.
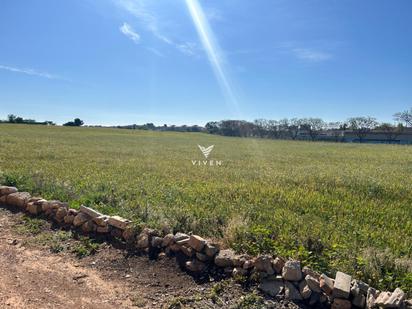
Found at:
(276, 276)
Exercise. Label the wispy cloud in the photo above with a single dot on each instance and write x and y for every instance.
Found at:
(188, 48)
(128, 31)
(311, 55)
(213, 14)
(155, 51)
(317, 52)
(151, 22)
(28, 71)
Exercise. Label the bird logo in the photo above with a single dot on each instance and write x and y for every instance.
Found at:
(206, 150)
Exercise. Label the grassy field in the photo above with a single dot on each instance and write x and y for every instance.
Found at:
(333, 206)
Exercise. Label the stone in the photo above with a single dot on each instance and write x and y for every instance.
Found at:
(115, 232)
(18, 199)
(103, 229)
(35, 199)
(129, 235)
(291, 292)
(211, 250)
(272, 287)
(119, 222)
(202, 257)
(40, 201)
(326, 284)
(33, 208)
(5, 190)
(57, 204)
(142, 241)
(314, 298)
(391, 300)
(263, 263)
(304, 290)
(167, 240)
(354, 289)
(313, 283)
(196, 242)
(72, 212)
(80, 219)
(371, 298)
(307, 271)
(225, 258)
(237, 261)
(157, 241)
(90, 212)
(101, 220)
(359, 300)
(61, 213)
(182, 242)
(239, 272)
(362, 286)
(89, 227)
(195, 266)
(408, 303)
(323, 298)
(188, 251)
(292, 271)
(180, 236)
(150, 232)
(341, 288)
(45, 207)
(248, 264)
(174, 247)
(68, 219)
(339, 303)
(277, 265)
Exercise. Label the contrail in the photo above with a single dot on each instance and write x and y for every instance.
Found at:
(213, 51)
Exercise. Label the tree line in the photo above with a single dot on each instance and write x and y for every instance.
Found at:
(311, 128)
(165, 127)
(17, 119)
(294, 128)
(20, 120)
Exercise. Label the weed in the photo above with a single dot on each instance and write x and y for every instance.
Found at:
(85, 247)
(30, 226)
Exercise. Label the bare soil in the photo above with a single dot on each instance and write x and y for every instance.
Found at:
(38, 270)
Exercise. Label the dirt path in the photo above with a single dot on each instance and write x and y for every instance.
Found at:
(32, 276)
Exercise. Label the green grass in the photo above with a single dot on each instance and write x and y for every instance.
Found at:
(334, 206)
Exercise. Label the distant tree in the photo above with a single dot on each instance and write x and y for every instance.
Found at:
(149, 126)
(362, 126)
(261, 127)
(18, 120)
(293, 127)
(404, 117)
(76, 123)
(314, 126)
(344, 126)
(390, 131)
(212, 127)
(11, 118)
(274, 129)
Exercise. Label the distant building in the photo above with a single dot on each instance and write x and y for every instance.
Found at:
(349, 136)
(380, 137)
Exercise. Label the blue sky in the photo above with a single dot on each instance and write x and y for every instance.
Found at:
(192, 61)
